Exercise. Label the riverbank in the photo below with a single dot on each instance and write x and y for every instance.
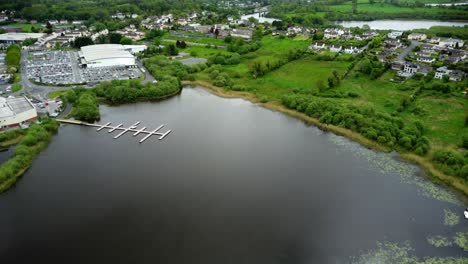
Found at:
(424, 162)
(30, 144)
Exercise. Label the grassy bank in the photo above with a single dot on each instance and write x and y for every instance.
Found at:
(34, 140)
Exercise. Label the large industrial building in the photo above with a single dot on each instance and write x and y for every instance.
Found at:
(109, 55)
(16, 112)
(17, 38)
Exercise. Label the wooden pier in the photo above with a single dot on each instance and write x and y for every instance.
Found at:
(133, 128)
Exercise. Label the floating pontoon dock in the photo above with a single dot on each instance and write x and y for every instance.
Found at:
(120, 127)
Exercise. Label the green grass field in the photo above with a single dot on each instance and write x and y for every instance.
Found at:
(365, 6)
(25, 27)
(204, 52)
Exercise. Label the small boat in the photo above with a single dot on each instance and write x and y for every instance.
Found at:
(466, 213)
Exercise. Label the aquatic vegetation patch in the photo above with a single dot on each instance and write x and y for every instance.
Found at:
(439, 241)
(386, 163)
(450, 218)
(390, 253)
(461, 239)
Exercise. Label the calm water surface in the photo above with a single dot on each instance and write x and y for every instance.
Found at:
(233, 183)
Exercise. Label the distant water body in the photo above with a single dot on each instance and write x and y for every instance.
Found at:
(400, 24)
(260, 18)
(233, 183)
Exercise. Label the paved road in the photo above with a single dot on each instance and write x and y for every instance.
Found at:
(37, 91)
(402, 55)
(148, 76)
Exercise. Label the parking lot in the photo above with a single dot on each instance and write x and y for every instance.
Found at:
(95, 75)
(62, 68)
(51, 67)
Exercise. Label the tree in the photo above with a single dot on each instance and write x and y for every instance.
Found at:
(49, 28)
(82, 41)
(171, 50)
(354, 6)
(29, 41)
(126, 41)
(114, 38)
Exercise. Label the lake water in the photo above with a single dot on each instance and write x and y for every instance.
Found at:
(233, 183)
(400, 24)
(260, 18)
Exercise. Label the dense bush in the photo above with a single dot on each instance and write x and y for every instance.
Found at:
(12, 58)
(451, 163)
(119, 92)
(36, 138)
(224, 59)
(86, 108)
(161, 67)
(372, 67)
(388, 130)
(238, 45)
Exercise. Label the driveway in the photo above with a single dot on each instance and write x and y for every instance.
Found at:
(402, 55)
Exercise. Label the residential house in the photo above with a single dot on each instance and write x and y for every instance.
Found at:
(411, 68)
(245, 33)
(393, 44)
(394, 34)
(434, 40)
(317, 46)
(334, 48)
(332, 33)
(426, 59)
(204, 29)
(352, 50)
(456, 76)
(451, 42)
(441, 71)
(397, 65)
(118, 15)
(369, 35)
(417, 36)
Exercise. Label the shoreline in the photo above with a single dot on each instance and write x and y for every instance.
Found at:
(431, 172)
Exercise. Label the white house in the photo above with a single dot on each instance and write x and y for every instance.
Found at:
(351, 50)
(334, 48)
(426, 59)
(451, 43)
(318, 46)
(411, 68)
(417, 36)
(394, 34)
(441, 71)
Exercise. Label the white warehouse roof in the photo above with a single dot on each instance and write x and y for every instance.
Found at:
(19, 36)
(14, 106)
(105, 51)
